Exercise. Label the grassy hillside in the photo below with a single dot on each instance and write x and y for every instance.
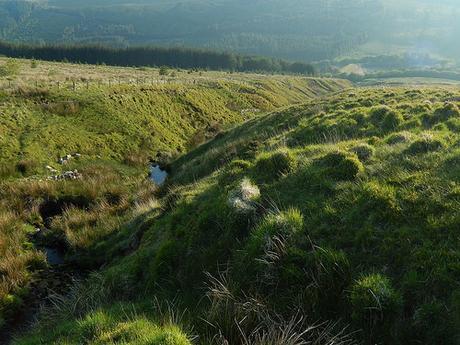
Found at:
(42, 121)
(76, 142)
(340, 213)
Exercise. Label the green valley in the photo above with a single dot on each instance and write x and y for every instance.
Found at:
(75, 155)
(229, 172)
(296, 210)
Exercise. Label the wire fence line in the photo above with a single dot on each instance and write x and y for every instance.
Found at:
(83, 83)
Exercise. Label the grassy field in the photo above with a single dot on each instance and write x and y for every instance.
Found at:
(330, 221)
(339, 213)
(105, 133)
(43, 122)
(17, 72)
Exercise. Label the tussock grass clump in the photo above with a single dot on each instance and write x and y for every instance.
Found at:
(341, 165)
(116, 325)
(274, 229)
(376, 305)
(379, 202)
(165, 260)
(7, 170)
(386, 118)
(446, 112)
(399, 138)
(10, 68)
(240, 164)
(69, 107)
(235, 170)
(273, 165)
(427, 143)
(363, 151)
(248, 319)
(331, 274)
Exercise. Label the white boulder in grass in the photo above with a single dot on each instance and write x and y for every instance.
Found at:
(243, 199)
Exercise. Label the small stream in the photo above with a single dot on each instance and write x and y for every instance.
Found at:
(54, 257)
(59, 275)
(157, 174)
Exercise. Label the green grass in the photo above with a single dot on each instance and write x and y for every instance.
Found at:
(120, 324)
(356, 221)
(341, 212)
(117, 130)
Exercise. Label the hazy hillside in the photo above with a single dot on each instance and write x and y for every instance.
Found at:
(293, 29)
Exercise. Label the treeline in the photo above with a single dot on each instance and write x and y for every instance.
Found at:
(154, 57)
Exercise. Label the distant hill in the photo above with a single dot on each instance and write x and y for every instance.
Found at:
(291, 29)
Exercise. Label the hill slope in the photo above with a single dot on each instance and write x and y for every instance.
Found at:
(342, 211)
(77, 141)
(43, 116)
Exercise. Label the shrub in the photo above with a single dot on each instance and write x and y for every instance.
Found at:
(375, 304)
(276, 164)
(341, 165)
(363, 151)
(427, 143)
(163, 71)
